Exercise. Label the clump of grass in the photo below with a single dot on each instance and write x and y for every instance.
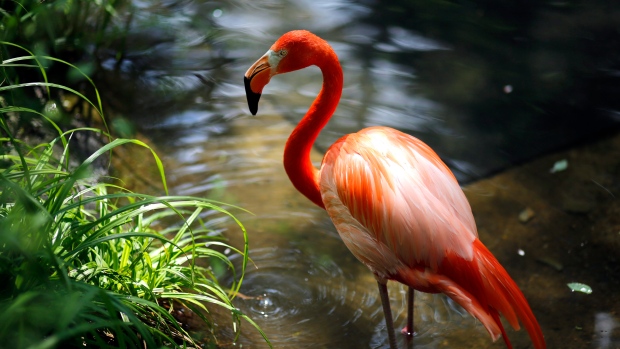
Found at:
(82, 262)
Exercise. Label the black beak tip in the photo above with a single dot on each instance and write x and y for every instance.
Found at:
(252, 96)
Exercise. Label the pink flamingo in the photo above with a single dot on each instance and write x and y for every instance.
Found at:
(396, 205)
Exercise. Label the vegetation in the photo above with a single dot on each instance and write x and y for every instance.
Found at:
(63, 27)
(84, 261)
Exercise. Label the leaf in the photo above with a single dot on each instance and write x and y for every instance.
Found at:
(579, 287)
(559, 166)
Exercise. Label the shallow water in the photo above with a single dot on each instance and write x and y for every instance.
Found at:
(483, 94)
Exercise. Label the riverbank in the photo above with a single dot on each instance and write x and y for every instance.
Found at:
(553, 228)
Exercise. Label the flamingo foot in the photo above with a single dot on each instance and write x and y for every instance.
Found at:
(406, 332)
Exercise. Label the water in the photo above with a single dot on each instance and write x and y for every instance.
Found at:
(487, 87)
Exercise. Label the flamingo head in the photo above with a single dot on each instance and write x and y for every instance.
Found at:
(294, 50)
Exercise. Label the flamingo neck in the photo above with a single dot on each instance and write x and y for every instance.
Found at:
(297, 163)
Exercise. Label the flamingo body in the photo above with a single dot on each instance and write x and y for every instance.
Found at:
(396, 205)
(401, 212)
(401, 194)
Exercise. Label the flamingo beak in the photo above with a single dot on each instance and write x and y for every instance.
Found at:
(255, 79)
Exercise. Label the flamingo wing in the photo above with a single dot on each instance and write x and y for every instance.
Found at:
(396, 192)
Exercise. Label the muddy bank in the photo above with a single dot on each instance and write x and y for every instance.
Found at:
(568, 231)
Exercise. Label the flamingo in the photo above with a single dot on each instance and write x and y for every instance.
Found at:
(395, 204)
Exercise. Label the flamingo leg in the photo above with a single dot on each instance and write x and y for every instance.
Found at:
(387, 312)
(408, 330)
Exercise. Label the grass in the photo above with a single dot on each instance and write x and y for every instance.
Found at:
(60, 25)
(86, 262)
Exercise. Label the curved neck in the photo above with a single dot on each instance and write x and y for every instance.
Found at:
(297, 163)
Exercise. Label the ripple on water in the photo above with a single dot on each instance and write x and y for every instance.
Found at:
(310, 302)
(285, 283)
(288, 291)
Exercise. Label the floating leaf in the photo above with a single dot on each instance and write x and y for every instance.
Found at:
(579, 287)
(559, 166)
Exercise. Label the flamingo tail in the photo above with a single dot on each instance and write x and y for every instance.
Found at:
(502, 294)
(483, 288)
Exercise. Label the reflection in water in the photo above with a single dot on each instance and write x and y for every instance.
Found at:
(484, 85)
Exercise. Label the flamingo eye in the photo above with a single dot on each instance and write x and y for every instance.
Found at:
(282, 53)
